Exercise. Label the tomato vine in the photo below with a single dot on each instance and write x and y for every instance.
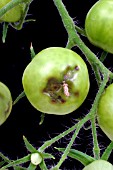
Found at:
(103, 75)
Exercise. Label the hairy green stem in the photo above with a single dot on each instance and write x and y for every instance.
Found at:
(78, 126)
(76, 40)
(53, 140)
(96, 149)
(66, 152)
(97, 75)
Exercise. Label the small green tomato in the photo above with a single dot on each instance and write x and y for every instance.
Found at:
(56, 81)
(105, 112)
(99, 25)
(36, 158)
(5, 103)
(99, 165)
(12, 15)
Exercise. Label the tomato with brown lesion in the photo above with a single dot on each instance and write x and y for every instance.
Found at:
(56, 81)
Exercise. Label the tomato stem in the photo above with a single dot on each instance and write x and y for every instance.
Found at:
(93, 110)
(74, 39)
(56, 138)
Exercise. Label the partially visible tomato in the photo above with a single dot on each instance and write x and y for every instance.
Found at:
(14, 14)
(5, 103)
(56, 81)
(105, 112)
(99, 25)
(99, 165)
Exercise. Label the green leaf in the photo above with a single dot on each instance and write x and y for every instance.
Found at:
(29, 147)
(17, 162)
(31, 167)
(78, 155)
(107, 152)
(21, 95)
(43, 166)
(42, 118)
(4, 158)
(47, 156)
(19, 168)
(4, 33)
(32, 51)
(1, 163)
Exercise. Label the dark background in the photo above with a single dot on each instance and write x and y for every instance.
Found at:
(47, 31)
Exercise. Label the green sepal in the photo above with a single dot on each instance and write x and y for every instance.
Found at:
(78, 155)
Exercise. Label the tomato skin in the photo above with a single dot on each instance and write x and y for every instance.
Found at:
(105, 112)
(5, 103)
(14, 14)
(99, 25)
(99, 165)
(46, 78)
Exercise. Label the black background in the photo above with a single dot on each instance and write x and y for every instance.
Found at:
(47, 31)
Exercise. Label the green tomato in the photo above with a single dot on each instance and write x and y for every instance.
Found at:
(99, 25)
(56, 81)
(5, 103)
(105, 112)
(99, 165)
(12, 15)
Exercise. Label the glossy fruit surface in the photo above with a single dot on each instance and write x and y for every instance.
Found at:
(99, 25)
(5, 103)
(99, 165)
(12, 15)
(56, 81)
(105, 112)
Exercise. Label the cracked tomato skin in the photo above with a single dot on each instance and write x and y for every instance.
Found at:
(12, 15)
(56, 81)
(5, 103)
(99, 25)
(99, 165)
(105, 112)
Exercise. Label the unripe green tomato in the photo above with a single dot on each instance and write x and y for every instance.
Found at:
(12, 15)
(56, 81)
(99, 25)
(5, 103)
(99, 165)
(105, 112)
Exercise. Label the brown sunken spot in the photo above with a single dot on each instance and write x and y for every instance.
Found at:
(76, 94)
(61, 99)
(76, 67)
(53, 101)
